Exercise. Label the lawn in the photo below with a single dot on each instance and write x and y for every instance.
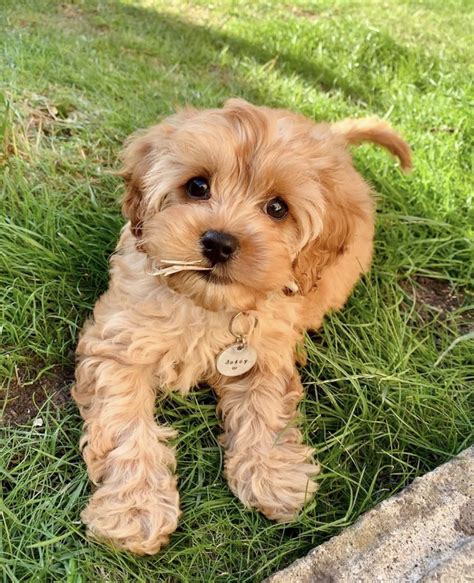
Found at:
(389, 380)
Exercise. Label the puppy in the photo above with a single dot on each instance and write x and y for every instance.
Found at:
(245, 226)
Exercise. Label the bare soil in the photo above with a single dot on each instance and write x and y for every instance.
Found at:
(436, 294)
(25, 397)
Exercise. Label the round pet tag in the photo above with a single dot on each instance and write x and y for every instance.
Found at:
(236, 359)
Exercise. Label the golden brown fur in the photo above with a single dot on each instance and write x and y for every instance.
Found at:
(151, 333)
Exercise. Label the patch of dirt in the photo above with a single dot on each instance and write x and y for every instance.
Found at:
(436, 294)
(26, 397)
(445, 129)
(303, 13)
(70, 10)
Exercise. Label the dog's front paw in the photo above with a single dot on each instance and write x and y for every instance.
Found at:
(277, 482)
(139, 521)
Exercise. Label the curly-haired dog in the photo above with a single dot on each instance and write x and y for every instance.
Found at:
(246, 225)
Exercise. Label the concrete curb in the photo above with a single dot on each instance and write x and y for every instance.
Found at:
(425, 533)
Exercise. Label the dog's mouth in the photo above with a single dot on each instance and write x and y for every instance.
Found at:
(169, 268)
(212, 277)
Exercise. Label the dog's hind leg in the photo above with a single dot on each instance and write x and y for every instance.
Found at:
(266, 464)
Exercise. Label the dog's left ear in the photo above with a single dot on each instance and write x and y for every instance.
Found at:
(342, 213)
(346, 196)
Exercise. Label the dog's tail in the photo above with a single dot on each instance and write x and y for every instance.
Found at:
(372, 129)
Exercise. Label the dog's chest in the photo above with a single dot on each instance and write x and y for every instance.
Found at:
(190, 354)
(194, 339)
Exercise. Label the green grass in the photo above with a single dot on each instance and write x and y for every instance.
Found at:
(383, 403)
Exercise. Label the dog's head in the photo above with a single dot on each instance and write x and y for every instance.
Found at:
(263, 197)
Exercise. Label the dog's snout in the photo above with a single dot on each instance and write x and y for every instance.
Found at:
(217, 246)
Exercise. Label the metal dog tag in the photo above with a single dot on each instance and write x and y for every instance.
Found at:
(236, 359)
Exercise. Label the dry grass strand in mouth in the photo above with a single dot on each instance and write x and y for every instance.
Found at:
(175, 266)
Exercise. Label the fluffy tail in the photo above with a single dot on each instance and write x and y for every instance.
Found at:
(372, 129)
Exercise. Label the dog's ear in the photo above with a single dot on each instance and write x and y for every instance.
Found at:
(347, 198)
(339, 223)
(137, 158)
(141, 151)
(372, 129)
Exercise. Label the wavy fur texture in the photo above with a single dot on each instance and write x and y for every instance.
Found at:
(151, 333)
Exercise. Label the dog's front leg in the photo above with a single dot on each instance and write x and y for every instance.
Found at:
(267, 466)
(136, 504)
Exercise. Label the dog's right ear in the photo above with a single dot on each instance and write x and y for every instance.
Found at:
(140, 152)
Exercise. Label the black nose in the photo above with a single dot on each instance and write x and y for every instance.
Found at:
(218, 246)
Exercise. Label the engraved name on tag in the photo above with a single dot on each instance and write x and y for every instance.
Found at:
(236, 359)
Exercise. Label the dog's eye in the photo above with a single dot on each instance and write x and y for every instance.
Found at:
(198, 188)
(276, 208)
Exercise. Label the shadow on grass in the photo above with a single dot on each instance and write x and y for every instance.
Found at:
(283, 61)
(186, 40)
